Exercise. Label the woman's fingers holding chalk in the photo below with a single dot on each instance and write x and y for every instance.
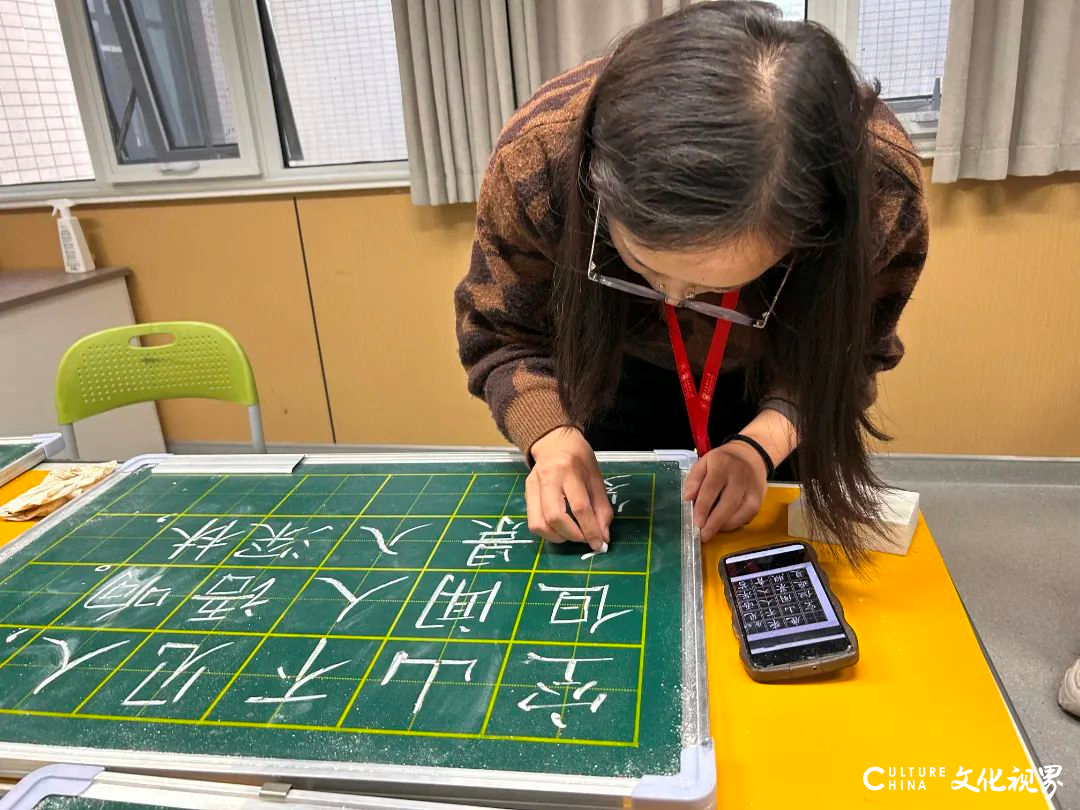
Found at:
(534, 505)
(532, 508)
(567, 475)
(581, 505)
(601, 503)
(553, 499)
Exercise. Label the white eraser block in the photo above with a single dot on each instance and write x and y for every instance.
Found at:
(899, 513)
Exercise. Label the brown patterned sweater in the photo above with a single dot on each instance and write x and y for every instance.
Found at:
(504, 329)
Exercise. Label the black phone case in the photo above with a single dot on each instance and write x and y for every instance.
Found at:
(787, 672)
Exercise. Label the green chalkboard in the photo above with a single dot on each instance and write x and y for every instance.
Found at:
(378, 613)
(21, 453)
(10, 453)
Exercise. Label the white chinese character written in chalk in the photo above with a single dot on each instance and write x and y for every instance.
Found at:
(278, 543)
(568, 680)
(209, 536)
(457, 604)
(574, 605)
(67, 663)
(495, 543)
(352, 599)
(401, 658)
(387, 546)
(182, 676)
(128, 589)
(305, 676)
(231, 592)
(613, 485)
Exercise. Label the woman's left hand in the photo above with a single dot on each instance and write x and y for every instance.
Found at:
(727, 486)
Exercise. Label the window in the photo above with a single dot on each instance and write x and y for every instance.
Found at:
(113, 98)
(792, 9)
(333, 68)
(902, 44)
(41, 131)
(161, 87)
(165, 88)
(195, 97)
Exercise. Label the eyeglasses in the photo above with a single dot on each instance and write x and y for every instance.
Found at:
(645, 291)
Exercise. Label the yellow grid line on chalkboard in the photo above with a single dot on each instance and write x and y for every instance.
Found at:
(337, 567)
(271, 676)
(86, 594)
(644, 611)
(221, 516)
(405, 604)
(242, 475)
(513, 637)
(176, 721)
(292, 601)
(340, 636)
(577, 638)
(415, 475)
(181, 603)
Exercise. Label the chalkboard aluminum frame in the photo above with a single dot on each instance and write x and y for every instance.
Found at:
(693, 788)
(47, 446)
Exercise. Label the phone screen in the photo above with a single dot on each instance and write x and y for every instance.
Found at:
(783, 607)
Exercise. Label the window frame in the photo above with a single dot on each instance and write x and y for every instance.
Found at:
(78, 41)
(275, 169)
(917, 114)
(261, 168)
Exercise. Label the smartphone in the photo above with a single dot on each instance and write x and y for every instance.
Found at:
(789, 624)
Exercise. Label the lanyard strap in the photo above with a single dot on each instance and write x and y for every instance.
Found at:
(699, 402)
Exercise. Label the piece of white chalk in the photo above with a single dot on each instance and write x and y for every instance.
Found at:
(590, 554)
(899, 516)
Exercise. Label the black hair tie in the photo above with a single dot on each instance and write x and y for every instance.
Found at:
(770, 468)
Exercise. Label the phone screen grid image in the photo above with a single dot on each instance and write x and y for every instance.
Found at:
(782, 606)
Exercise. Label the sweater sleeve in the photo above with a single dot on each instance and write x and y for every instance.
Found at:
(504, 328)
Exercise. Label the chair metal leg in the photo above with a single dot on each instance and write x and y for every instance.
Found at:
(71, 447)
(258, 442)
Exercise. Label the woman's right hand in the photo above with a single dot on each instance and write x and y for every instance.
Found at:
(566, 472)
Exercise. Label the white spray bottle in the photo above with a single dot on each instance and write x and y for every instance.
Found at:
(77, 258)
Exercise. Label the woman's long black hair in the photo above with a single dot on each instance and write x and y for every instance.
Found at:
(718, 122)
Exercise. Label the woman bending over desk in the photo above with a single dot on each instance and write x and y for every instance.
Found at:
(721, 199)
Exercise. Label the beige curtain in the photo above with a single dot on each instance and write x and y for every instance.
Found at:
(459, 82)
(1010, 97)
(570, 32)
(466, 65)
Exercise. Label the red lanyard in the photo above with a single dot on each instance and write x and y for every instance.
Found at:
(699, 402)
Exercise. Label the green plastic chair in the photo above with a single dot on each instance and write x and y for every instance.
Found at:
(111, 368)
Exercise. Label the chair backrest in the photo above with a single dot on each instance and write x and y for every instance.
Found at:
(105, 370)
